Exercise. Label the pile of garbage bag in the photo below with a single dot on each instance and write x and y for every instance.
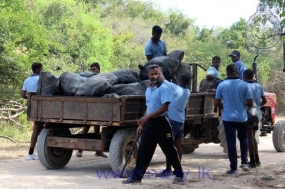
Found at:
(113, 84)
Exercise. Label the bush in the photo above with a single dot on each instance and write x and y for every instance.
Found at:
(277, 86)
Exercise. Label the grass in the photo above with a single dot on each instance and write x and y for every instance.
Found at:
(15, 132)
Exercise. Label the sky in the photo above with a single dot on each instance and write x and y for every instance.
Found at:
(211, 13)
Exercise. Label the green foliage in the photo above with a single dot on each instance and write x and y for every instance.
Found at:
(68, 35)
(177, 23)
(278, 7)
(77, 36)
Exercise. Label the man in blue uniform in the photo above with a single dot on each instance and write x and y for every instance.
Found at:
(234, 93)
(235, 56)
(155, 129)
(155, 47)
(30, 86)
(258, 94)
(179, 95)
(213, 71)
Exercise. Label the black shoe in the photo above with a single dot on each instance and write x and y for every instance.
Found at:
(252, 165)
(263, 134)
(179, 180)
(258, 164)
(99, 153)
(131, 181)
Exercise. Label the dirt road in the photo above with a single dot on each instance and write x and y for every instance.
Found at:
(205, 168)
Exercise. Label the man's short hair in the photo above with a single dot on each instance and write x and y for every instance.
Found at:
(185, 79)
(95, 64)
(235, 53)
(156, 29)
(153, 66)
(216, 58)
(232, 69)
(248, 74)
(35, 66)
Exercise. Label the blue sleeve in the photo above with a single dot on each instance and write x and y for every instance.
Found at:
(219, 92)
(211, 72)
(147, 49)
(24, 88)
(171, 86)
(248, 93)
(164, 94)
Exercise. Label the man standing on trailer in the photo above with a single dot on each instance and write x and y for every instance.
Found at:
(155, 47)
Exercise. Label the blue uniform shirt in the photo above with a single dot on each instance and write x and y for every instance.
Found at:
(156, 97)
(179, 98)
(234, 92)
(213, 72)
(31, 83)
(257, 92)
(241, 68)
(155, 50)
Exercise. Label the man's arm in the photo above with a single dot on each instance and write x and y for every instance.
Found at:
(263, 101)
(210, 77)
(158, 112)
(148, 52)
(249, 102)
(148, 57)
(23, 94)
(167, 83)
(217, 103)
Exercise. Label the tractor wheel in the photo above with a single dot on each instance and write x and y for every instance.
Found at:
(50, 157)
(278, 136)
(120, 147)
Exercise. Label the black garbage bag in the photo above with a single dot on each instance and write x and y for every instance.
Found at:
(48, 84)
(183, 68)
(70, 83)
(177, 54)
(168, 65)
(146, 83)
(253, 116)
(87, 74)
(112, 95)
(126, 76)
(97, 85)
(128, 89)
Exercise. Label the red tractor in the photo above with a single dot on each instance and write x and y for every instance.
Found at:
(268, 118)
(268, 114)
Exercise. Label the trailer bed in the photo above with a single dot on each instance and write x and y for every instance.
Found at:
(87, 110)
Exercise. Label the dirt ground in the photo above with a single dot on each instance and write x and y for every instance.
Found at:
(205, 168)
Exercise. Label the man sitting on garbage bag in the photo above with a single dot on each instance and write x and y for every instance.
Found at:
(212, 76)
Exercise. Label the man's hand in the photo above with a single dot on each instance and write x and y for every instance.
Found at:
(161, 76)
(139, 130)
(142, 121)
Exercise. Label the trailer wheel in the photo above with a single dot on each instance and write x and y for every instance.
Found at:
(50, 157)
(120, 147)
(278, 136)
